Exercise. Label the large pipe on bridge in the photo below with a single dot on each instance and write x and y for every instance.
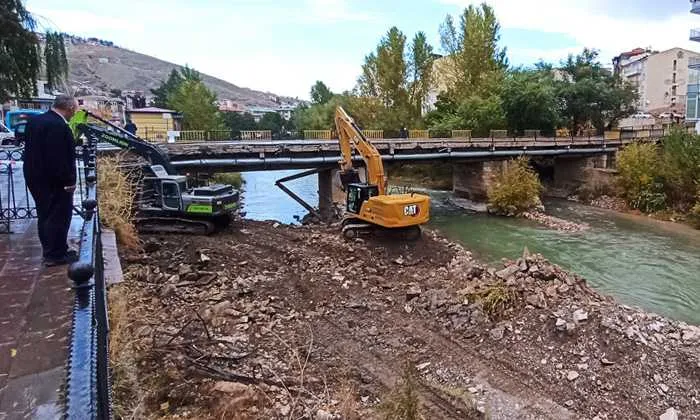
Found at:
(319, 160)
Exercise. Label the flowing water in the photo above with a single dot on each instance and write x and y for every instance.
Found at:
(641, 262)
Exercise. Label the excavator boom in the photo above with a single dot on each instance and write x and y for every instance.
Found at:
(349, 135)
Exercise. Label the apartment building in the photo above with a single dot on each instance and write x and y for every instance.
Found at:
(662, 78)
(693, 105)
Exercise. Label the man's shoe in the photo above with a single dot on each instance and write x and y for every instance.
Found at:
(66, 259)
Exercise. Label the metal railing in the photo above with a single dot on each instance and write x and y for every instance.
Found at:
(256, 135)
(318, 134)
(461, 134)
(373, 134)
(195, 136)
(418, 134)
(88, 389)
(695, 34)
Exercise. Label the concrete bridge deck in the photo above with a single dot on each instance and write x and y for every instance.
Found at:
(302, 154)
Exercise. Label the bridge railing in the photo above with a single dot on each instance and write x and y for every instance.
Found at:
(88, 389)
(318, 135)
(418, 134)
(373, 134)
(256, 135)
(461, 134)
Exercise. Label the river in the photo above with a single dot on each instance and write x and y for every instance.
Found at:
(641, 262)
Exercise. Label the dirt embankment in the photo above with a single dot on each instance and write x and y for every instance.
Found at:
(271, 321)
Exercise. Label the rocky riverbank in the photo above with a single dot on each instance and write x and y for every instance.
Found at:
(272, 321)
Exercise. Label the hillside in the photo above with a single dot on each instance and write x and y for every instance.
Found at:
(96, 69)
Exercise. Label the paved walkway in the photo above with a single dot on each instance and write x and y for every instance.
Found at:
(35, 321)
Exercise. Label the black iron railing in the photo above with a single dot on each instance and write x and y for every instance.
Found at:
(88, 391)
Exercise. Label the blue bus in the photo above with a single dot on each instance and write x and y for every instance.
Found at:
(18, 115)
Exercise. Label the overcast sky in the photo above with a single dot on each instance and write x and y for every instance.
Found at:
(283, 46)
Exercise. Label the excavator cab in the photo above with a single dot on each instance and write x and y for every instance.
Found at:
(358, 194)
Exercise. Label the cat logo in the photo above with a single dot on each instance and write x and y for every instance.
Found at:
(410, 210)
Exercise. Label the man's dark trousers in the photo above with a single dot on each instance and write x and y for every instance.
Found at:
(54, 207)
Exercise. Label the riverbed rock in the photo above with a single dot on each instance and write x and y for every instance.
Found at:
(670, 414)
(413, 292)
(580, 315)
(560, 324)
(572, 375)
(508, 272)
(536, 300)
(497, 333)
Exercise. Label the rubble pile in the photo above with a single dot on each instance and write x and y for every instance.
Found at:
(272, 321)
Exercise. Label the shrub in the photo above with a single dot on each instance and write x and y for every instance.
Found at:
(681, 165)
(515, 189)
(232, 178)
(641, 177)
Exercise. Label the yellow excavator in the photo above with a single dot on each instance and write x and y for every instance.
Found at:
(369, 207)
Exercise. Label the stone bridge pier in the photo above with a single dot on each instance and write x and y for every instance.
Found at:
(472, 179)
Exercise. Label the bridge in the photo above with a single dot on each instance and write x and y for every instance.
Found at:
(567, 160)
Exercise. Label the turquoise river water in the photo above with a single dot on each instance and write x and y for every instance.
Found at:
(641, 262)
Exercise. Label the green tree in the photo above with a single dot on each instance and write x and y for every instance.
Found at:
(421, 70)
(167, 88)
(19, 51)
(473, 55)
(235, 121)
(55, 60)
(681, 165)
(271, 121)
(530, 101)
(197, 105)
(320, 94)
(592, 94)
(399, 77)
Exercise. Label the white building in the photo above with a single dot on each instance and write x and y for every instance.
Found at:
(661, 78)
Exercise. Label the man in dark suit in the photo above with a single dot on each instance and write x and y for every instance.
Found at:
(50, 172)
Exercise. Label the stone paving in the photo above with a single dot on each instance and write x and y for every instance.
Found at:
(35, 321)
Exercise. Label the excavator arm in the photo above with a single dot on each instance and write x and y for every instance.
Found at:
(349, 135)
(119, 137)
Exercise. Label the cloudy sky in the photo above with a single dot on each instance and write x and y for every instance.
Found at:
(283, 46)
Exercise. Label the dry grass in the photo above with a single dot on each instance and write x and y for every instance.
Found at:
(495, 299)
(116, 193)
(127, 392)
(403, 402)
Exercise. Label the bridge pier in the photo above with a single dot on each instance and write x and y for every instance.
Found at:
(325, 194)
(472, 179)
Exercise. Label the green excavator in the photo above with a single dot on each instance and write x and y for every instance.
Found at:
(165, 200)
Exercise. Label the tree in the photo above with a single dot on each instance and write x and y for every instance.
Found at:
(399, 77)
(530, 101)
(177, 76)
(592, 94)
(320, 94)
(271, 121)
(197, 105)
(473, 56)
(239, 122)
(421, 69)
(19, 51)
(55, 60)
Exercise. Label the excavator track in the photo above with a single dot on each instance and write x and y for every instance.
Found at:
(354, 228)
(175, 225)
